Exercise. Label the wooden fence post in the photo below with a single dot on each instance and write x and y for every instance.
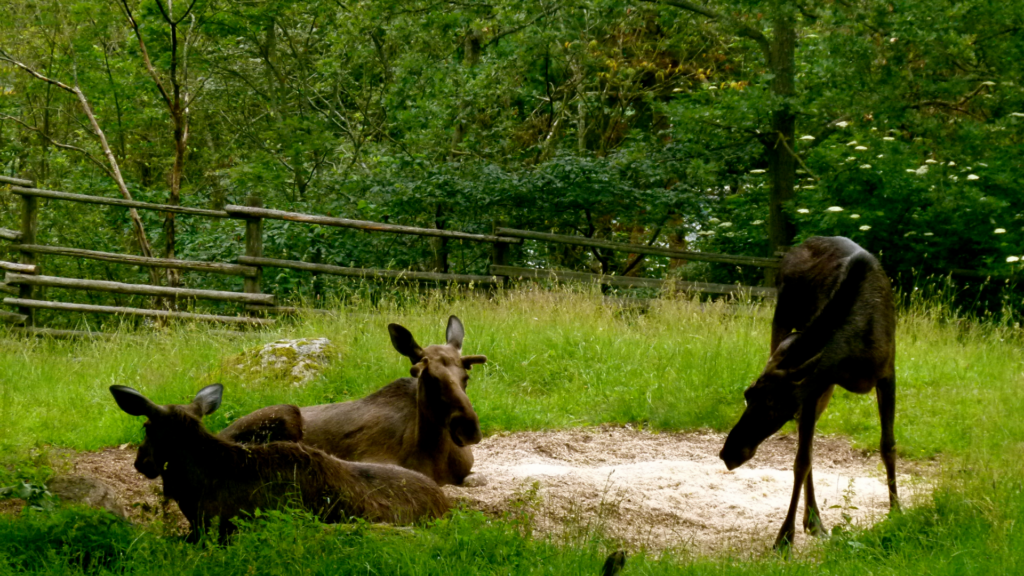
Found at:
(499, 251)
(29, 225)
(254, 244)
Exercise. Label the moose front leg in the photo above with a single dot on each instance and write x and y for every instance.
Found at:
(886, 393)
(801, 468)
(812, 517)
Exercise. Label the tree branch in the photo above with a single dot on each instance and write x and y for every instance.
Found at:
(741, 28)
(527, 24)
(115, 170)
(145, 53)
(800, 160)
(60, 145)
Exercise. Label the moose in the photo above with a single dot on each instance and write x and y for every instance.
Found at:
(424, 423)
(209, 476)
(834, 324)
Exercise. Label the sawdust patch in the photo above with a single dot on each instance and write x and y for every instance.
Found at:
(661, 491)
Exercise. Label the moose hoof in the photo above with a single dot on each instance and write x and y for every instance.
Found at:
(784, 545)
(816, 530)
(474, 480)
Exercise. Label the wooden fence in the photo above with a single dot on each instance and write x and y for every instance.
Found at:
(23, 278)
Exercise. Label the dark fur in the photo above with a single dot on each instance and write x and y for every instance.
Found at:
(838, 300)
(279, 422)
(614, 564)
(425, 423)
(212, 477)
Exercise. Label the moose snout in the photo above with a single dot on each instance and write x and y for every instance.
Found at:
(147, 466)
(736, 457)
(466, 431)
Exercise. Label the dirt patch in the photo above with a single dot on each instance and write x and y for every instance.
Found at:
(663, 491)
(657, 491)
(141, 497)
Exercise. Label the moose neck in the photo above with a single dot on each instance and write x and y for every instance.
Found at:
(196, 449)
(431, 430)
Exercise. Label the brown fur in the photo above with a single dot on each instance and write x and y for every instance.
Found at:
(212, 477)
(838, 300)
(424, 423)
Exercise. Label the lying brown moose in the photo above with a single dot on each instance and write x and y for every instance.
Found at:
(211, 477)
(424, 423)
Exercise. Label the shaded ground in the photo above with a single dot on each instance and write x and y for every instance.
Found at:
(648, 490)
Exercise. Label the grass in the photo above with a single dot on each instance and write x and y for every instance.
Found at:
(556, 360)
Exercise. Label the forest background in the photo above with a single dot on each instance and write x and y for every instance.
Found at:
(736, 126)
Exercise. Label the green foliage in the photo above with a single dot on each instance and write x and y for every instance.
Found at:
(614, 119)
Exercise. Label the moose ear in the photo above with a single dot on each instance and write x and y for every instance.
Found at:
(208, 399)
(403, 341)
(468, 361)
(134, 403)
(455, 333)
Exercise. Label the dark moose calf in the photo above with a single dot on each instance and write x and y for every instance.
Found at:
(210, 477)
(837, 299)
(424, 423)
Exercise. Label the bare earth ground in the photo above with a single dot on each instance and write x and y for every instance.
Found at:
(644, 489)
(664, 491)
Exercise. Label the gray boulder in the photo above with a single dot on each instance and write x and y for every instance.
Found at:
(86, 490)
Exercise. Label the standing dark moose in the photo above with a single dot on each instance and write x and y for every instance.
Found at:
(425, 423)
(834, 324)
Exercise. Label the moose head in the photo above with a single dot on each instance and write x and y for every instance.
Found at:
(772, 400)
(442, 373)
(166, 424)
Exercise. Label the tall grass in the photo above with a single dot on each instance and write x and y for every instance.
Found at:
(556, 360)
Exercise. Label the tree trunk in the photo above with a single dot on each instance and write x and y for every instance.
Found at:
(782, 164)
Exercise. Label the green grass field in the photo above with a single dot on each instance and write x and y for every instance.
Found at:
(556, 360)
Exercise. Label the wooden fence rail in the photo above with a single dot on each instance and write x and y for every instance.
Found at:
(16, 181)
(87, 199)
(123, 311)
(194, 265)
(631, 282)
(10, 235)
(372, 272)
(640, 248)
(15, 267)
(139, 289)
(251, 212)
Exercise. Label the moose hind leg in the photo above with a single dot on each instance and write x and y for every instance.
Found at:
(886, 393)
(812, 518)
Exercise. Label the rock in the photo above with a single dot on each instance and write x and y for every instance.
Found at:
(474, 480)
(296, 361)
(86, 490)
